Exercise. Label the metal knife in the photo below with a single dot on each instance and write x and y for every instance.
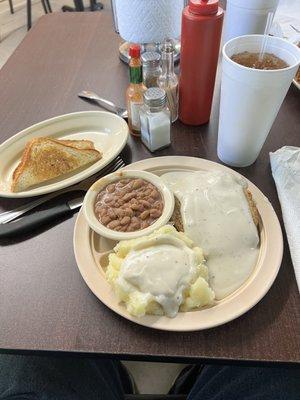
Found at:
(32, 221)
(107, 104)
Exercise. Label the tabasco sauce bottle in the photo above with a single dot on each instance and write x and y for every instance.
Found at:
(135, 90)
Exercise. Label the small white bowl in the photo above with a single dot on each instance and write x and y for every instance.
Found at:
(98, 227)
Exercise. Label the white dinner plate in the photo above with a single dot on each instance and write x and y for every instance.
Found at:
(88, 247)
(297, 84)
(108, 131)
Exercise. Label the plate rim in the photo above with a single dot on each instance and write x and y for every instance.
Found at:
(8, 142)
(166, 324)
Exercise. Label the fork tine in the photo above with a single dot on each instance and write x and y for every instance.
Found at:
(112, 166)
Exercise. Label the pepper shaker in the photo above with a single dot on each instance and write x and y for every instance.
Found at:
(151, 68)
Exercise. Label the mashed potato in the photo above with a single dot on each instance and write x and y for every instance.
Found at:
(159, 274)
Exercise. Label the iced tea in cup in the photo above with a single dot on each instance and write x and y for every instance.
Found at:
(250, 97)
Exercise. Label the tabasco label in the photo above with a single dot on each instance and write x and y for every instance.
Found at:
(136, 75)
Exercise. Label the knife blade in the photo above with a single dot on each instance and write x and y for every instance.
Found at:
(30, 222)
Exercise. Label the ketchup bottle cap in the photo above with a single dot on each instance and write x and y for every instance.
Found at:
(203, 7)
(134, 50)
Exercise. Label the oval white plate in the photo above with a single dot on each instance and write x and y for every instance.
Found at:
(88, 246)
(108, 132)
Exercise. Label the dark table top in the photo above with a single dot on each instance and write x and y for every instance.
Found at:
(44, 303)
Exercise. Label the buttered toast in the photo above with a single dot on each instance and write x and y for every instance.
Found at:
(79, 144)
(45, 158)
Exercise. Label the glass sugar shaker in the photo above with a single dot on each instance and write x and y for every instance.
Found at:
(155, 120)
(151, 68)
(168, 79)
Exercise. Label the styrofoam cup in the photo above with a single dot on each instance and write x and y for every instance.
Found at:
(251, 98)
(247, 17)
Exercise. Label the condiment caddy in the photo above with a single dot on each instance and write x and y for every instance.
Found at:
(152, 95)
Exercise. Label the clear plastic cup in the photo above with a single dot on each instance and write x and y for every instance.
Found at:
(251, 98)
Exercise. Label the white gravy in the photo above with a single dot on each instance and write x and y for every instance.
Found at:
(162, 268)
(216, 216)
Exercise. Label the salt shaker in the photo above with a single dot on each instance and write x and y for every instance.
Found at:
(151, 68)
(155, 120)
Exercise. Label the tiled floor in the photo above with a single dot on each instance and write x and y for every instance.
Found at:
(151, 378)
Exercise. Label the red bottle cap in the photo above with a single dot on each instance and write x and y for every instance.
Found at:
(203, 7)
(134, 50)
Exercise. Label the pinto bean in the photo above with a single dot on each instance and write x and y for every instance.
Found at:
(111, 188)
(128, 212)
(111, 213)
(134, 226)
(128, 196)
(105, 220)
(145, 214)
(154, 194)
(147, 192)
(137, 183)
(144, 224)
(125, 220)
(136, 207)
(113, 224)
(128, 205)
(146, 204)
(155, 213)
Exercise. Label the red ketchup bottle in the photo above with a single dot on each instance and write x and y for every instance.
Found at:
(200, 42)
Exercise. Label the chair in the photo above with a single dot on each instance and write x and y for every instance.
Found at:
(46, 6)
(11, 6)
(79, 6)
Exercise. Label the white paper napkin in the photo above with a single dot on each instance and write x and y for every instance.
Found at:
(149, 21)
(286, 16)
(285, 164)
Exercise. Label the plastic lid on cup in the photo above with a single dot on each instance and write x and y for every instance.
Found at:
(134, 50)
(204, 7)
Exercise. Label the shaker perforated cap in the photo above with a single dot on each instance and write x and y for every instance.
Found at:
(155, 97)
(203, 7)
(150, 59)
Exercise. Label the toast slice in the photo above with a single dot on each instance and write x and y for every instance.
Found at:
(44, 159)
(79, 144)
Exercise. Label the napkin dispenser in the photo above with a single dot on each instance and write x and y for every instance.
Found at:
(147, 22)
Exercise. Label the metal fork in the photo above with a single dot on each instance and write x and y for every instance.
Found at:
(11, 215)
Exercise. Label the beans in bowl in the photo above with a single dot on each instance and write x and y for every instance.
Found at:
(128, 205)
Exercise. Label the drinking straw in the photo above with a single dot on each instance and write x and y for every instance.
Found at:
(266, 36)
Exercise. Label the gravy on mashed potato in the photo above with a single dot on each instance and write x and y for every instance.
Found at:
(159, 273)
(216, 216)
